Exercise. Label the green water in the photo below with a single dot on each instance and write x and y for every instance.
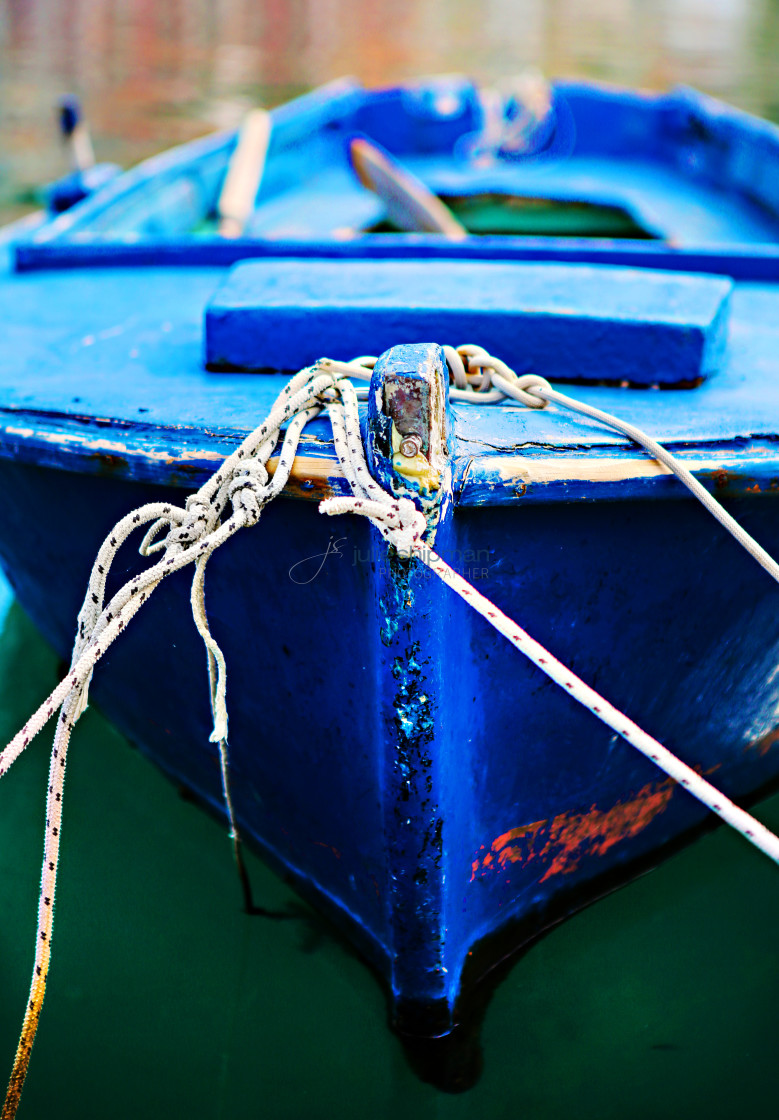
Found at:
(165, 1000)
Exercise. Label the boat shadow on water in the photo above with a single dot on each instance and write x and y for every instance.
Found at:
(639, 978)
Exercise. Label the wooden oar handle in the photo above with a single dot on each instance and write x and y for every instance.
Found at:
(244, 174)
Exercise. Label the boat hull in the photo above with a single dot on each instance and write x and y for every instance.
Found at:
(418, 779)
(411, 771)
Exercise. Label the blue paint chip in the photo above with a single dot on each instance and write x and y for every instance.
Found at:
(569, 322)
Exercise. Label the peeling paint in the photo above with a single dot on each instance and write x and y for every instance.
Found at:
(65, 439)
(311, 477)
(569, 469)
(417, 472)
(559, 845)
(413, 403)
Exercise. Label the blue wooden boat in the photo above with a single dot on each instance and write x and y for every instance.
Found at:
(608, 176)
(429, 789)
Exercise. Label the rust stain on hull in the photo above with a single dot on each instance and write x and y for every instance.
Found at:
(764, 744)
(564, 841)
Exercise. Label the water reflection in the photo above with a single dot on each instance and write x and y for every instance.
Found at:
(156, 72)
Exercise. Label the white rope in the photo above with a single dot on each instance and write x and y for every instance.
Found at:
(488, 379)
(403, 526)
(747, 825)
(193, 533)
(478, 377)
(657, 451)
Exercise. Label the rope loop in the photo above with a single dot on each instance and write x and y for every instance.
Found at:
(474, 361)
(525, 389)
(361, 368)
(398, 519)
(457, 372)
(193, 532)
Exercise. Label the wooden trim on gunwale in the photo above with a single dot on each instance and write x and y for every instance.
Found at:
(186, 457)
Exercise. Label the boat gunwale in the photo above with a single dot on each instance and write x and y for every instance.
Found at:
(745, 262)
(185, 458)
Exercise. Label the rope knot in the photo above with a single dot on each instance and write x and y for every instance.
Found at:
(524, 387)
(479, 376)
(198, 521)
(248, 490)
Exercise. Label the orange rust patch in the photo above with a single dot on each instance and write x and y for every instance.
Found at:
(764, 744)
(330, 848)
(562, 843)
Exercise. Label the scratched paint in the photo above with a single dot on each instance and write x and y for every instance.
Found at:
(311, 477)
(561, 844)
(414, 720)
(600, 469)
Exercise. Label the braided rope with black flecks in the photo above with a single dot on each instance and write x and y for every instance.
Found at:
(193, 534)
(405, 530)
(196, 531)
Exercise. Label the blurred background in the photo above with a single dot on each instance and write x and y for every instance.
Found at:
(153, 73)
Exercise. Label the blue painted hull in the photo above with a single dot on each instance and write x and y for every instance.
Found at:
(510, 804)
(429, 788)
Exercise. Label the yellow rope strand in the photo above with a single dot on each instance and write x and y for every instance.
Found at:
(193, 533)
(45, 906)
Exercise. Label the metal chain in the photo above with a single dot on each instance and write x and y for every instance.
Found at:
(489, 379)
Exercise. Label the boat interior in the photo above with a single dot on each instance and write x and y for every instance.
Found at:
(587, 162)
(643, 252)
